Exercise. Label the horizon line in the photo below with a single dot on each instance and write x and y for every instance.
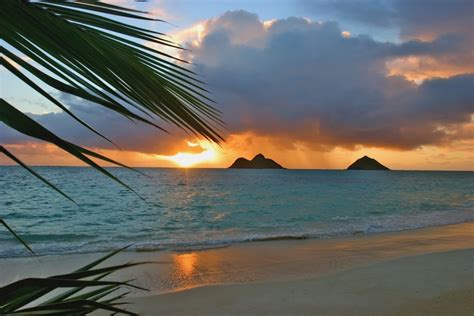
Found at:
(177, 167)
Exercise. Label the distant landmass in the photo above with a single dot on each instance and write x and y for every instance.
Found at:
(367, 163)
(258, 162)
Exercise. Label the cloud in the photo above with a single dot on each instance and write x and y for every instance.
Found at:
(127, 134)
(299, 83)
(414, 19)
(303, 81)
(435, 17)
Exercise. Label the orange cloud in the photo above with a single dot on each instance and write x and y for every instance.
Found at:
(458, 155)
(420, 68)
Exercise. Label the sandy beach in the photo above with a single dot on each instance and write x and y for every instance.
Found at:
(427, 271)
(434, 284)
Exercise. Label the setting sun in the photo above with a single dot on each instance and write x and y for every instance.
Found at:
(186, 159)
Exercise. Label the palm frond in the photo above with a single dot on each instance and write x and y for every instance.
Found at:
(104, 59)
(34, 173)
(17, 237)
(15, 297)
(26, 125)
(76, 48)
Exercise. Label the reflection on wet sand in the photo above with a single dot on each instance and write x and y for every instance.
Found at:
(186, 263)
(257, 261)
(291, 259)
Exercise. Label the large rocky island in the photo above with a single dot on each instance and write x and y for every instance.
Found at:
(258, 162)
(367, 163)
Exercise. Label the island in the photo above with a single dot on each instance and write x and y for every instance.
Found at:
(367, 163)
(258, 162)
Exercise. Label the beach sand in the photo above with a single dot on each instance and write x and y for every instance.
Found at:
(434, 284)
(426, 271)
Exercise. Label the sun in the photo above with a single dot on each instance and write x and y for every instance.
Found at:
(186, 159)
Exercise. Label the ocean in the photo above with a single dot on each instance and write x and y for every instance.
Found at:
(184, 209)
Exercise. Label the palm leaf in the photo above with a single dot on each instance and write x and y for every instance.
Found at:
(15, 296)
(21, 301)
(76, 48)
(18, 161)
(73, 47)
(24, 124)
(33, 85)
(17, 237)
(94, 54)
(78, 307)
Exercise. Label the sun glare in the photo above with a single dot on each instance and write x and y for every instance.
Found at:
(186, 159)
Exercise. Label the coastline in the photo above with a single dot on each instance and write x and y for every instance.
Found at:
(278, 260)
(421, 272)
(430, 284)
(410, 223)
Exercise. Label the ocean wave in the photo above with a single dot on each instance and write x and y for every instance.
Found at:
(217, 209)
(330, 230)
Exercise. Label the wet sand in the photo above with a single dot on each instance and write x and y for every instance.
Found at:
(433, 284)
(426, 271)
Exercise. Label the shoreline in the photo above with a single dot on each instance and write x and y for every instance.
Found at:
(219, 244)
(429, 284)
(254, 261)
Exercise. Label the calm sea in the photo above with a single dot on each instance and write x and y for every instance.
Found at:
(200, 208)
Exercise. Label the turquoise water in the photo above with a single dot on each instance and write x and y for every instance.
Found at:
(200, 208)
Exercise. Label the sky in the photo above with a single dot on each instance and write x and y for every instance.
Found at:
(309, 83)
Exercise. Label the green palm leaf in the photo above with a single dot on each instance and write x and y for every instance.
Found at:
(15, 296)
(89, 52)
(17, 237)
(24, 124)
(34, 173)
(76, 47)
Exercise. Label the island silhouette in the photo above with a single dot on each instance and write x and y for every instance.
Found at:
(366, 163)
(258, 162)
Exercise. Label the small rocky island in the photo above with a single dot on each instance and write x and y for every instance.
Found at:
(367, 163)
(258, 162)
